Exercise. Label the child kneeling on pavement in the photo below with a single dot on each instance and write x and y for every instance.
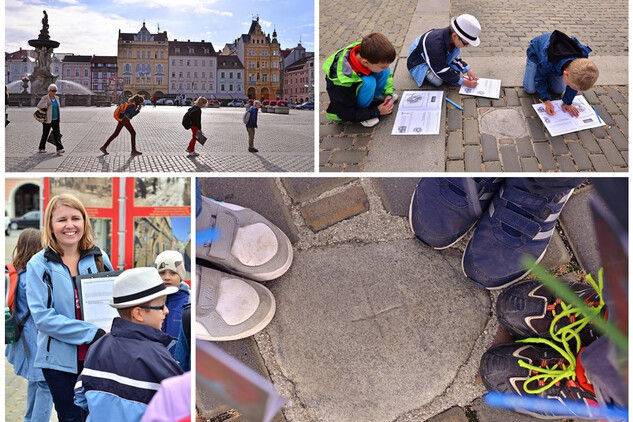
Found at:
(359, 81)
(123, 370)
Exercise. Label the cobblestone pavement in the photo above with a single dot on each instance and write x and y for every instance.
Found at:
(15, 396)
(346, 331)
(285, 142)
(467, 146)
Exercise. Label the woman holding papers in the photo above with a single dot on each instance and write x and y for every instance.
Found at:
(63, 338)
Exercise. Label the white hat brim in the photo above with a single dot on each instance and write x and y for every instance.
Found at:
(167, 291)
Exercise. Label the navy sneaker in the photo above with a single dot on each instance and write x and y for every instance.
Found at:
(442, 210)
(517, 223)
(542, 370)
(529, 309)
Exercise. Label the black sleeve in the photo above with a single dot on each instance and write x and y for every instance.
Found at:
(343, 104)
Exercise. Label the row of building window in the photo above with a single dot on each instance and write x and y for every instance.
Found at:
(128, 54)
(195, 75)
(195, 62)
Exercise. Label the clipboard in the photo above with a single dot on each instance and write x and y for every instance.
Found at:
(95, 292)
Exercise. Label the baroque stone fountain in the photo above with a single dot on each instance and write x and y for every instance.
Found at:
(42, 77)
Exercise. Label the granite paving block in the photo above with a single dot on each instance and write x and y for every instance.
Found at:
(493, 414)
(456, 166)
(599, 132)
(455, 146)
(524, 146)
(454, 414)
(623, 124)
(361, 302)
(605, 116)
(489, 145)
(499, 102)
(611, 152)
(537, 130)
(470, 108)
(395, 193)
(330, 210)
(526, 105)
(454, 119)
(361, 141)
(609, 104)
(355, 129)
(512, 97)
(484, 102)
(471, 132)
(331, 169)
(330, 130)
(580, 156)
(600, 162)
(472, 158)
(544, 155)
(510, 158)
(616, 95)
(589, 141)
(257, 193)
(565, 163)
(591, 97)
(493, 166)
(324, 156)
(558, 145)
(529, 164)
(352, 157)
(331, 143)
(301, 189)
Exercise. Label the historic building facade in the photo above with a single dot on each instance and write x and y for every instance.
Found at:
(230, 78)
(142, 61)
(76, 70)
(103, 69)
(261, 57)
(192, 68)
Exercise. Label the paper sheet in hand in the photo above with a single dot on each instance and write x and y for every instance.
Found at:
(236, 383)
(419, 113)
(95, 292)
(562, 122)
(489, 88)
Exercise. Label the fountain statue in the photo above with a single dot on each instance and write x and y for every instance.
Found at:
(42, 77)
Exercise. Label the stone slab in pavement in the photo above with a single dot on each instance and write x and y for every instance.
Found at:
(396, 193)
(285, 142)
(362, 355)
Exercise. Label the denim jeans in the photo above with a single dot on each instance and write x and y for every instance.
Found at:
(554, 82)
(62, 387)
(433, 79)
(372, 87)
(39, 402)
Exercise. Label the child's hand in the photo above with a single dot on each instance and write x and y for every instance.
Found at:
(471, 75)
(549, 108)
(469, 84)
(568, 108)
(386, 107)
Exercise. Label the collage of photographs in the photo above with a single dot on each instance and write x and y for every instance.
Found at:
(174, 250)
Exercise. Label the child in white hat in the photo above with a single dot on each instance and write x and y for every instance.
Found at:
(124, 368)
(171, 267)
(433, 56)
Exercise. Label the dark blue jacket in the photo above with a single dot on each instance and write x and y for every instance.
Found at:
(550, 59)
(131, 111)
(252, 122)
(173, 320)
(123, 371)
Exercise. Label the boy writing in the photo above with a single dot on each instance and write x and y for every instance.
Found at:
(171, 267)
(560, 63)
(124, 368)
(358, 75)
(434, 55)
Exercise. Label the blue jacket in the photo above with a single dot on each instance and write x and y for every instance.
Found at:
(433, 50)
(123, 371)
(131, 111)
(175, 304)
(252, 121)
(15, 353)
(182, 354)
(51, 298)
(537, 52)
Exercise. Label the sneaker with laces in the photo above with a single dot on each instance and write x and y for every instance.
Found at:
(516, 224)
(193, 154)
(247, 245)
(529, 309)
(229, 307)
(442, 210)
(370, 122)
(538, 368)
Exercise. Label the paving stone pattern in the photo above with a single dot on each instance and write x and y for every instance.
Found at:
(508, 26)
(285, 142)
(337, 303)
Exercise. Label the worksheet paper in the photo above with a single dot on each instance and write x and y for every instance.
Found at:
(489, 88)
(562, 122)
(419, 113)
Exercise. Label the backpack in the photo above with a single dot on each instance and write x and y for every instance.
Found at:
(186, 119)
(247, 116)
(119, 112)
(12, 326)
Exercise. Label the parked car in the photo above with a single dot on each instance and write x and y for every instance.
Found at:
(169, 102)
(30, 219)
(147, 102)
(306, 106)
(161, 101)
(236, 103)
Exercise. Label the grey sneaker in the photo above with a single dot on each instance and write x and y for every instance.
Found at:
(229, 307)
(248, 245)
(370, 122)
(193, 154)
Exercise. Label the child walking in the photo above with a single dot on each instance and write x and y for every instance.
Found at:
(133, 108)
(195, 118)
(21, 354)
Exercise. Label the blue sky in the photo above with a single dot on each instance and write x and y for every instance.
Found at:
(180, 227)
(91, 26)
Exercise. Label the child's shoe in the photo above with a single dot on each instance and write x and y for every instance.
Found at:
(529, 309)
(229, 307)
(370, 122)
(248, 245)
(516, 224)
(443, 210)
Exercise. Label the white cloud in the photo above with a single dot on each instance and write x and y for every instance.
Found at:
(68, 1)
(23, 22)
(265, 23)
(195, 6)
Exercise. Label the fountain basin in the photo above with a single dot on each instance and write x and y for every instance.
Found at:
(43, 43)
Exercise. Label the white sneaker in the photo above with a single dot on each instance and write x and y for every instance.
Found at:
(371, 122)
(193, 154)
(229, 307)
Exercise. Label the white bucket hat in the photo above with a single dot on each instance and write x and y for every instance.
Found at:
(171, 260)
(468, 28)
(138, 285)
